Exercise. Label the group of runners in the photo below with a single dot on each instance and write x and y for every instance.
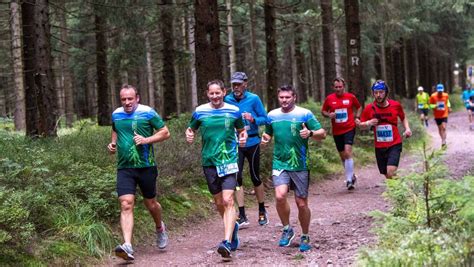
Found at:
(229, 129)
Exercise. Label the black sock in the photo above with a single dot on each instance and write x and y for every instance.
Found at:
(261, 207)
(242, 212)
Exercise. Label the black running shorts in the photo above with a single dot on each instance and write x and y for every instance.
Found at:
(389, 156)
(344, 139)
(129, 178)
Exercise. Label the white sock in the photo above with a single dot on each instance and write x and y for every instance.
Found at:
(349, 167)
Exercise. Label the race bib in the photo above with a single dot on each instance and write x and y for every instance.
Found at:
(277, 172)
(384, 133)
(420, 106)
(440, 105)
(341, 115)
(226, 169)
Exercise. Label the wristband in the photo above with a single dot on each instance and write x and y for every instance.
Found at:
(310, 133)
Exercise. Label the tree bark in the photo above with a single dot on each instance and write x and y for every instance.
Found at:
(254, 53)
(168, 55)
(103, 100)
(411, 64)
(149, 71)
(192, 63)
(272, 67)
(208, 49)
(230, 36)
(354, 62)
(65, 71)
(41, 99)
(328, 45)
(15, 25)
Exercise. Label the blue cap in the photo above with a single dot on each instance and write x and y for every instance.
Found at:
(379, 85)
(239, 77)
(440, 87)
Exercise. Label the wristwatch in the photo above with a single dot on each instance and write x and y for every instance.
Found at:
(310, 133)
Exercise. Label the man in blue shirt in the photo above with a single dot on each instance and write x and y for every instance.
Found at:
(254, 115)
(466, 95)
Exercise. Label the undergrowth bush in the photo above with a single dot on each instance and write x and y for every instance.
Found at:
(431, 222)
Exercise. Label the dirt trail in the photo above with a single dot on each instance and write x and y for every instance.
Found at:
(339, 226)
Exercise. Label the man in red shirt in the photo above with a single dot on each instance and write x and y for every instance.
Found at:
(383, 116)
(339, 106)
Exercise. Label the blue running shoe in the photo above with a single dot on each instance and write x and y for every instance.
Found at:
(224, 249)
(286, 237)
(263, 218)
(304, 244)
(234, 243)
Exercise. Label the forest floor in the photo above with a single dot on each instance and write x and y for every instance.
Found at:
(340, 220)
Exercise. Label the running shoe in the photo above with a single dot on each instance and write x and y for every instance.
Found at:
(162, 237)
(243, 222)
(224, 249)
(304, 244)
(350, 184)
(286, 237)
(125, 252)
(263, 218)
(234, 243)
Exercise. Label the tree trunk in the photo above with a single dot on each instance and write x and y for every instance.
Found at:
(398, 69)
(337, 54)
(300, 67)
(15, 24)
(168, 55)
(322, 83)
(103, 100)
(65, 70)
(354, 62)
(231, 42)
(208, 50)
(383, 57)
(192, 63)
(149, 71)
(41, 99)
(272, 57)
(411, 64)
(254, 54)
(328, 45)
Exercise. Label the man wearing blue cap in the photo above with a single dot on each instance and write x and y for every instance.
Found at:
(439, 102)
(254, 115)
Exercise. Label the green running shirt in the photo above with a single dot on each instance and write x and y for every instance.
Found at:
(217, 127)
(290, 150)
(144, 121)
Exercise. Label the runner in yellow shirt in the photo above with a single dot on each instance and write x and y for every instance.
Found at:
(422, 105)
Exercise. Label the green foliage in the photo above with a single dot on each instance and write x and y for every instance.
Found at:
(412, 234)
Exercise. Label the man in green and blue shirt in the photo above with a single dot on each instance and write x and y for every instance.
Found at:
(218, 123)
(253, 115)
(291, 126)
(135, 128)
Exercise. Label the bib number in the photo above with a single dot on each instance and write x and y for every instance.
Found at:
(341, 115)
(384, 133)
(226, 169)
(420, 106)
(440, 105)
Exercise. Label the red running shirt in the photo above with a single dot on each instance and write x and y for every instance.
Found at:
(386, 132)
(343, 107)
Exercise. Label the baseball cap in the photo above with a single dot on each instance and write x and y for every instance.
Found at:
(238, 77)
(440, 87)
(420, 88)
